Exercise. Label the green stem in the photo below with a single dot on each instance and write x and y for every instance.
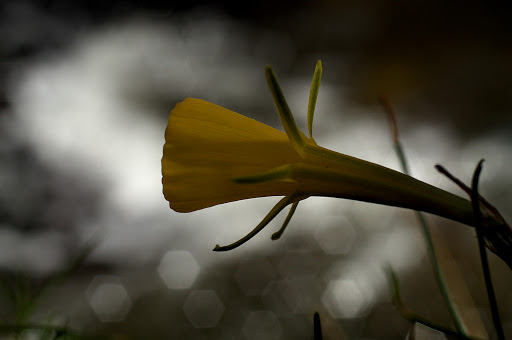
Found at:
(430, 248)
(313, 95)
(475, 200)
(413, 317)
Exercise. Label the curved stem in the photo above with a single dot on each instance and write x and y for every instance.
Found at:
(433, 256)
(422, 221)
(475, 200)
(413, 317)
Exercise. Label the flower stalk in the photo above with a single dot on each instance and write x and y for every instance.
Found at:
(427, 236)
(214, 156)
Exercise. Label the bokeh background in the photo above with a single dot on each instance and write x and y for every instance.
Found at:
(85, 92)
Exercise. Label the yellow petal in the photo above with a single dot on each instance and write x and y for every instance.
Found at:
(206, 145)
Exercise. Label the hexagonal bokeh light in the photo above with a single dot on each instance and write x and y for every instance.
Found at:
(203, 308)
(347, 299)
(301, 293)
(294, 264)
(262, 325)
(253, 276)
(178, 269)
(108, 298)
(335, 235)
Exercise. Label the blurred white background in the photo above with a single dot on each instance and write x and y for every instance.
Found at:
(87, 90)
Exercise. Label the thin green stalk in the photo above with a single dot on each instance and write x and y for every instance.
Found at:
(475, 200)
(434, 261)
(313, 95)
(413, 317)
(422, 221)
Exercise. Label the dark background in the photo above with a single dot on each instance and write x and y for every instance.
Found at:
(85, 91)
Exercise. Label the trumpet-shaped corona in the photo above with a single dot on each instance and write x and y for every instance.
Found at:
(206, 146)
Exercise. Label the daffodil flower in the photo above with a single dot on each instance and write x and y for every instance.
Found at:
(213, 155)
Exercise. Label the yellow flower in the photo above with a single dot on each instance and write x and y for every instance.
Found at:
(213, 155)
(207, 145)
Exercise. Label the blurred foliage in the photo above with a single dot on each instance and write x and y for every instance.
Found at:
(22, 294)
